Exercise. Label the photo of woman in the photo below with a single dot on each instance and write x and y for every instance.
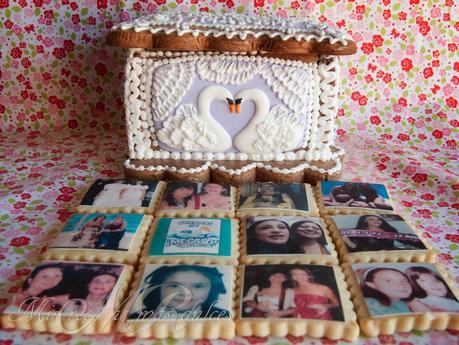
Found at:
(354, 194)
(184, 291)
(374, 233)
(432, 293)
(119, 193)
(268, 298)
(273, 196)
(309, 237)
(111, 234)
(312, 300)
(214, 196)
(39, 288)
(386, 290)
(180, 195)
(108, 231)
(66, 287)
(268, 236)
(92, 297)
(285, 235)
(87, 237)
(290, 291)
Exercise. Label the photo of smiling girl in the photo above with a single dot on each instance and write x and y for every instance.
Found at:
(171, 292)
(285, 235)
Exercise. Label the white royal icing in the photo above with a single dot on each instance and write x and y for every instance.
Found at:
(235, 25)
(321, 104)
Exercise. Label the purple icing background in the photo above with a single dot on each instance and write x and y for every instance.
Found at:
(232, 122)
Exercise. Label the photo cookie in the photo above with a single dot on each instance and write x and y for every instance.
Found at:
(69, 297)
(298, 299)
(377, 238)
(287, 240)
(101, 237)
(191, 199)
(272, 199)
(193, 240)
(121, 196)
(400, 297)
(181, 301)
(339, 197)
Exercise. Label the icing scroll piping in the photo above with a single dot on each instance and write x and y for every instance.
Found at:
(235, 25)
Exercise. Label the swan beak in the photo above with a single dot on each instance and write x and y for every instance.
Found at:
(238, 108)
(231, 104)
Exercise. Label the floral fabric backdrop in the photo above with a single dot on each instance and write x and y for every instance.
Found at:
(62, 121)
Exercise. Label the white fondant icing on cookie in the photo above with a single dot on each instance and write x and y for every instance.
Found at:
(227, 71)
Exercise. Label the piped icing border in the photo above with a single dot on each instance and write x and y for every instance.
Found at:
(139, 120)
(232, 25)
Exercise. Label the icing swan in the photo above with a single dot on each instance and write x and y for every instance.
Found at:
(193, 130)
(270, 130)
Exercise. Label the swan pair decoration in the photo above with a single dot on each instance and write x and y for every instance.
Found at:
(270, 130)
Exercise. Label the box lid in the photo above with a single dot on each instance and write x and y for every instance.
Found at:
(231, 32)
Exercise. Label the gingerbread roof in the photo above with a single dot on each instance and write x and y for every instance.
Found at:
(231, 32)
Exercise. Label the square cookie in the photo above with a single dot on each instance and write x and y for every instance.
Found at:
(400, 297)
(69, 297)
(339, 197)
(196, 199)
(101, 237)
(192, 240)
(267, 198)
(181, 301)
(299, 300)
(121, 196)
(377, 238)
(286, 239)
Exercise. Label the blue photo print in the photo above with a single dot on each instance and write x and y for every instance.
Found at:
(192, 236)
(114, 231)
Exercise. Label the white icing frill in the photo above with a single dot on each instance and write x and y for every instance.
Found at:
(185, 130)
(170, 83)
(227, 71)
(235, 25)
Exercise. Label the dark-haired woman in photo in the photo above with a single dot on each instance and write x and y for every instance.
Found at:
(111, 234)
(39, 289)
(432, 293)
(268, 195)
(377, 224)
(268, 236)
(307, 237)
(344, 195)
(94, 295)
(268, 297)
(311, 300)
(180, 195)
(386, 291)
(176, 290)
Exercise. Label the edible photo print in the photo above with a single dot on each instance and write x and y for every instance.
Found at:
(291, 291)
(66, 287)
(404, 288)
(371, 232)
(120, 193)
(285, 235)
(196, 196)
(186, 292)
(99, 231)
(291, 196)
(353, 194)
(192, 236)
